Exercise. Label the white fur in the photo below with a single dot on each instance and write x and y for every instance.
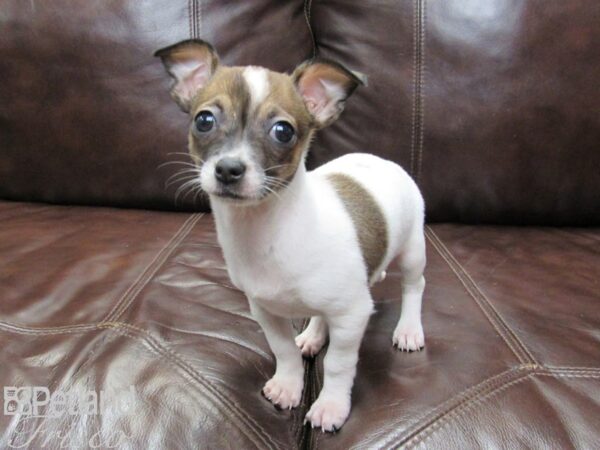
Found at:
(297, 255)
(258, 83)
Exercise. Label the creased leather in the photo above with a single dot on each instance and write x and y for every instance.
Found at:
(503, 347)
(491, 107)
(85, 114)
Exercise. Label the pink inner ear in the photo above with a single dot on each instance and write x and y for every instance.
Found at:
(314, 94)
(192, 76)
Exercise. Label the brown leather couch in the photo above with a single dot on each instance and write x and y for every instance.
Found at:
(491, 105)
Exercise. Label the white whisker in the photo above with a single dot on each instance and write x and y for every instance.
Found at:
(272, 191)
(276, 167)
(188, 170)
(170, 163)
(179, 180)
(194, 182)
(276, 181)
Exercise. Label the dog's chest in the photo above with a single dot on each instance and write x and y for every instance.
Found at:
(268, 282)
(267, 275)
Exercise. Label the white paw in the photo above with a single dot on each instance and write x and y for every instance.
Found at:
(409, 337)
(328, 413)
(310, 342)
(284, 392)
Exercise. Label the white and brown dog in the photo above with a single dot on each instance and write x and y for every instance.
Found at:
(298, 243)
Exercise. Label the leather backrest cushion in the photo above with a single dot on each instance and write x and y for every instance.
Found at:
(492, 106)
(85, 114)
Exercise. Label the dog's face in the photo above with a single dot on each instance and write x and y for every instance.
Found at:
(251, 126)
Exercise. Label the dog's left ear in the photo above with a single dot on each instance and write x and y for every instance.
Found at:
(324, 86)
(191, 64)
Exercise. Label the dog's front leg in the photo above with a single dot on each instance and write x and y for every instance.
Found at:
(284, 390)
(332, 407)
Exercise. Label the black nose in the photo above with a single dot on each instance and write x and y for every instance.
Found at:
(229, 170)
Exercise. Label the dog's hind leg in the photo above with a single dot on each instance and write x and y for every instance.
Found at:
(312, 339)
(408, 335)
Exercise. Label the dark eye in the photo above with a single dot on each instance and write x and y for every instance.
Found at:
(282, 132)
(205, 121)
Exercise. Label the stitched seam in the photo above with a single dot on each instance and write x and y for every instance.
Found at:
(573, 369)
(179, 361)
(144, 273)
(193, 19)
(117, 306)
(198, 17)
(170, 356)
(251, 425)
(592, 372)
(428, 433)
(489, 303)
(464, 397)
(18, 329)
(307, 15)
(571, 375)
(168, 251)
(190, 14)
(509, 337)
(416, 137)
(414, 104)
(473, 295)
(144, 278)
(452, 403)
(565, 372)
(423, 30)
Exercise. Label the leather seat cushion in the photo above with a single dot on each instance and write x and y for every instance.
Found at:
(97, 298)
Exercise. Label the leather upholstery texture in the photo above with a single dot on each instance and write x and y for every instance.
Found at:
(104, 299)
(492, 106)
(112, 280)
(85, 114)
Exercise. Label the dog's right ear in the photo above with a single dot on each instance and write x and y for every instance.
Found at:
(324, 86)
(191, 64)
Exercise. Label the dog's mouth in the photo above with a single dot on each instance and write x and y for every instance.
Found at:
(228, 194)
(231, 195)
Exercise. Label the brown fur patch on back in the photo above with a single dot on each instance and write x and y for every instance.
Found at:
(368, 219)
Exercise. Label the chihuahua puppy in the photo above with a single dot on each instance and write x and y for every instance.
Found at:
(297, 243)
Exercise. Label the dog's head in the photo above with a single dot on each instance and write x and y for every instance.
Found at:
(251, 126)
